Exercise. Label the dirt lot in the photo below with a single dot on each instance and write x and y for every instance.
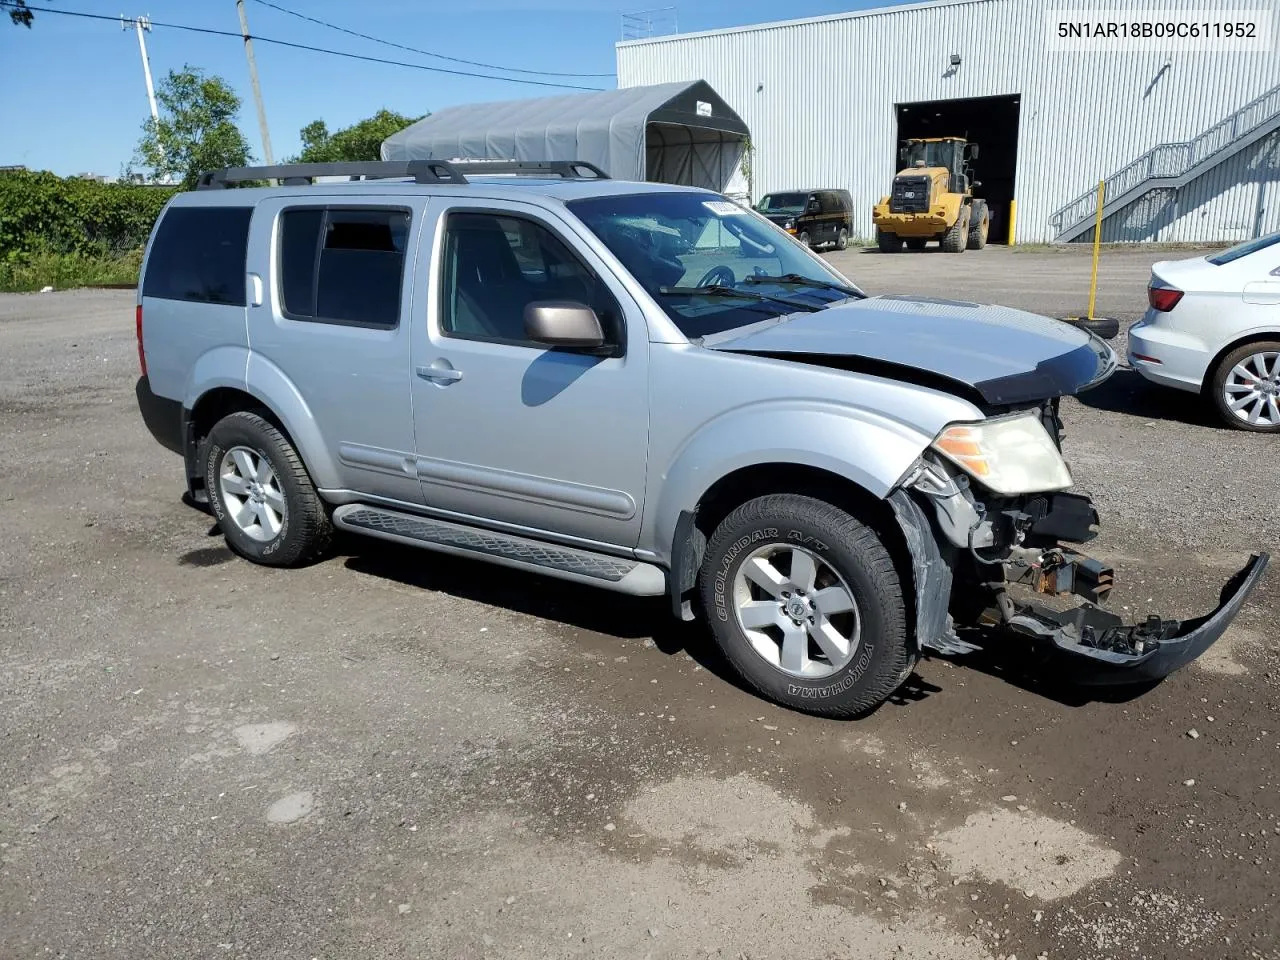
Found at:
(394, 754)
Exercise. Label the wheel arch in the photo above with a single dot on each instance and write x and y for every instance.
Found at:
(1253, 336)
(695, 526)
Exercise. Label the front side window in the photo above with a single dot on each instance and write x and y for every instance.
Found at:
(343, 265)
(495, 265)
(198, 255)
(711, 264)
(783, 204)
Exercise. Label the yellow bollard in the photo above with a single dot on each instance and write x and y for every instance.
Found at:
(1013, 218)
(1097, 239)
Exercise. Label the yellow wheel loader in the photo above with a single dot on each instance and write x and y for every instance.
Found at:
(932, 199)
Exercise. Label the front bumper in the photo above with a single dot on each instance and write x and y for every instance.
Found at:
(1085, 644)
(1094, 647)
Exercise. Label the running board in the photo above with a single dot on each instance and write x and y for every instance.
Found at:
(618, 574)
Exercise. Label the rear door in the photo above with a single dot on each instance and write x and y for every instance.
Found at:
(339, 281)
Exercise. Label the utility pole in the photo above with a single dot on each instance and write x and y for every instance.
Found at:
(141, 24)
(253, 79)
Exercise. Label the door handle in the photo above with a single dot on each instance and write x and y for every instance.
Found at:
(440, 374)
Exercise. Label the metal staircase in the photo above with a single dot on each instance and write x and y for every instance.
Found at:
(1171, 165)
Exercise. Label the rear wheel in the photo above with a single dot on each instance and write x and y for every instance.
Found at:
(259, 490)
(979, 225)
(805, 603)
(1246, 387)
(888, 242)
(957, 238)
(916, 243)
(842, 241)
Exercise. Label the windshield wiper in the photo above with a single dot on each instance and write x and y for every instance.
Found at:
(804, 282)
(720, 290)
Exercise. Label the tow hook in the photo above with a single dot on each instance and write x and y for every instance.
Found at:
(1061, 571)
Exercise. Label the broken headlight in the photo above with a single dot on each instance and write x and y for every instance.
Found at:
(1009, 455)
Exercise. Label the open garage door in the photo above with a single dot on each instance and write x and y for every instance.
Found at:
(990, 122)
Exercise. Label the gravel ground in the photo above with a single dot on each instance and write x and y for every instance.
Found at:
(393, 754)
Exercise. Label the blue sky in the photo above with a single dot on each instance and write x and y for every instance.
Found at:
(77, 99)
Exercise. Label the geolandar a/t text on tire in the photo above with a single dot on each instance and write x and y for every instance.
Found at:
(647, 389)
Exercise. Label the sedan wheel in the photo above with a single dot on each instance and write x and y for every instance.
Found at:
(1247, 387)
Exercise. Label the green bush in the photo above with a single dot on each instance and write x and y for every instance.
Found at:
(41, 213)
(65, 271)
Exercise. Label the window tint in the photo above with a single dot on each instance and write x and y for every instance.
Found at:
(343, 265)
(199, 255)
(494, 265)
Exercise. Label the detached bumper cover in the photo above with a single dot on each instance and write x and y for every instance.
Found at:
(1097, 649)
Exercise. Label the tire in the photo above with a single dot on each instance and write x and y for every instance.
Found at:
(979, 225)
(237, 446)
(875, 657)
(842, 240)
(804, 239)
(1253, 365)
(888, 242)
(916, 244)
(956, 238)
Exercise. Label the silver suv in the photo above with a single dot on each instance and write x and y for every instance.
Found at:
(642, 387)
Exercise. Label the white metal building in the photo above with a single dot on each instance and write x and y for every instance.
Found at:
(1188, 140)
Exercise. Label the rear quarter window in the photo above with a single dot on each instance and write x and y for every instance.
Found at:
(198, 255)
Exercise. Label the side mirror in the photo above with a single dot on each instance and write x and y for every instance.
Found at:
(902, 155)
(973, 151)
(562, 323)
(815, 206)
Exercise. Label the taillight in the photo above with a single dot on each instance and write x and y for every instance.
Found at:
(1163, 299)
(142, 356)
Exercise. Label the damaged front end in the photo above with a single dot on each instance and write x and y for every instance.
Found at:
(1006, 560)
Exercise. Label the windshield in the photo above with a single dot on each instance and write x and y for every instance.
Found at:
(672, 242)
(783, 203)
(932, 154)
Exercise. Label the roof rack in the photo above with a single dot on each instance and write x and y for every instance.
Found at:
(422, 171)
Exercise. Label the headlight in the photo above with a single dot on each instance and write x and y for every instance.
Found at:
(789, 225)
(1009, 456)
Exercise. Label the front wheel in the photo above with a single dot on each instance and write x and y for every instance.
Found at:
(804, 238)
(259, 490)
(805, 603)
(1246, 387)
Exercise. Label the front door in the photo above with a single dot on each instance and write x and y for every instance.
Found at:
(552, 441)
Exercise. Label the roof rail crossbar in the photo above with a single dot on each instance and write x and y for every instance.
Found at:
(567, 169)
(298, 174)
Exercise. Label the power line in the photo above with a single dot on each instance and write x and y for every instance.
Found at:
(425, 53)
(11, 4)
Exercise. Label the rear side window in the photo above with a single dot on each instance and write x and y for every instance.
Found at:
(343, 265)
(198, 255)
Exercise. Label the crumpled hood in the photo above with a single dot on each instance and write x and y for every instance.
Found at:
(1008, 356)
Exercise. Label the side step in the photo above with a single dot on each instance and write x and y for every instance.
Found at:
(565, 563)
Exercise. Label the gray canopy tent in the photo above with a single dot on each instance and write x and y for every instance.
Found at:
(668, 133)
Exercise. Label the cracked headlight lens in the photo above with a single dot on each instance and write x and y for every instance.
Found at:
(1010, 455)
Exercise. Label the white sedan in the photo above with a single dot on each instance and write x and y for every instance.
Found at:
(1213, 328)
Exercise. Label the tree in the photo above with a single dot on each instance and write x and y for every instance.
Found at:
(20, 15)
(196, 131)
(360, 141)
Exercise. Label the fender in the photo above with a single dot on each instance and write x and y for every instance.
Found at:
(866, 448)
(242, 369)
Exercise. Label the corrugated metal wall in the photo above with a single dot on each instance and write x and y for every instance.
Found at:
(819, 97)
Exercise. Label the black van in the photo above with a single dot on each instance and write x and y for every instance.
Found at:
(815, 217)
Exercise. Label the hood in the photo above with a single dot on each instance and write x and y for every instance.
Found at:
(1006, 356)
